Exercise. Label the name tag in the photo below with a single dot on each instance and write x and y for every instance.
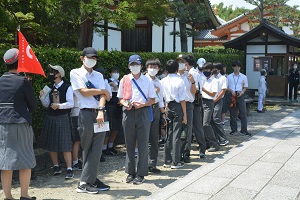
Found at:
(103, 128)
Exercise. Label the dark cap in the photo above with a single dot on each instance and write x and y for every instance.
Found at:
(135, 58)
(11, 56)
(100, 70)
(89, 52)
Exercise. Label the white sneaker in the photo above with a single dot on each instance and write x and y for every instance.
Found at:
(177, 165)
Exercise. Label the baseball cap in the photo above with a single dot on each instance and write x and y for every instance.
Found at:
(182, 57)
(59, 69)
(200, 62)
(89, 52)
(11, 56)
(135, 58)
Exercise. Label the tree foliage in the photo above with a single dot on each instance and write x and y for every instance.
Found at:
(229, 12)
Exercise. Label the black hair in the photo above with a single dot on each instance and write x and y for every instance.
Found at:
(208, 65)
(218, 65)
(172, 66)
(153, 61)
(114, 69)
(189, 59)
(12, 66)
(236, 63)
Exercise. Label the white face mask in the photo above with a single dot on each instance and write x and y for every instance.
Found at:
(135, 69)
(181, 66)
(115, 76)
(152, 72)
(295, 66)
(89, 62)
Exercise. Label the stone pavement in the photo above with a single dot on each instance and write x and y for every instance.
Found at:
(267, 166)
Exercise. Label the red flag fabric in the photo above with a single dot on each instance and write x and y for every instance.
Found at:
(28, 62)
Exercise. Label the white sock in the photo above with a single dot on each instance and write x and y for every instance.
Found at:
(110, 145)
(136, 150)
(69, 168)
(81, 183)
(75, 162)
(56, 165)
(104, 147)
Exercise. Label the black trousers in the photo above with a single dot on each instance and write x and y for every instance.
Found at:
(293, 86)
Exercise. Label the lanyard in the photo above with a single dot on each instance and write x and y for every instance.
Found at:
(235, 83)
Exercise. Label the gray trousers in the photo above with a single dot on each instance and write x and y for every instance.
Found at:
(198, 128)
(173, 143)
(91, 144)
(241, 107)
(136, 126)
(208, 108)
(154, 137)
(186, 145)
(216, 121)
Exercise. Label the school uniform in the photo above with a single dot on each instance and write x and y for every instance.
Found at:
(74, 119)
(216, 117)
(136, 124)
(155, 128)
(236, 83)
(17, 101)
(91, 142)
(174, 93)
(211, 85)
(56, 135)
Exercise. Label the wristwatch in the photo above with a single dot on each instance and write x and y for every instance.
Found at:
(101, 108)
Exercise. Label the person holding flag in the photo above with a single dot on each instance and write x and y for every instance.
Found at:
(17, 101)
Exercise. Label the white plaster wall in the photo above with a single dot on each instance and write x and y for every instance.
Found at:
(98, 42)
(287, 30)
(277, 49)
(255, 49)
(190, 44)
(252, 76)
(245, 26)
(114, 40)
(273, 39)
(156, 38)
(168, 37)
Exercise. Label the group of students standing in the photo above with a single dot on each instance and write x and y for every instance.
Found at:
(187, 97)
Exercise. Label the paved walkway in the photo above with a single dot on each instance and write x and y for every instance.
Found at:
(265, 167)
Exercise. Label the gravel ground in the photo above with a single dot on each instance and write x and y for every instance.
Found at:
(45, 186)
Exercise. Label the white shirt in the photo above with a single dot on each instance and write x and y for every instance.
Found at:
(210, 85)
(189, 97)
(75, 110)
(222, 83)
(79, 77)
(69, 98)
(159, 96)
(201, 78)
(174, 88)
(262, 86)
(237, 82)
(115, 82)
(146, 86)
(107, 87)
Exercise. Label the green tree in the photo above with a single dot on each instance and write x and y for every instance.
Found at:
(290, 16)
(229, 12)
(188, 13)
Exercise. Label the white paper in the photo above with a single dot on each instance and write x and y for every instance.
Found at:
(46, 90)
(100, 129)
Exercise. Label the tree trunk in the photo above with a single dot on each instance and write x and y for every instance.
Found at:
(183, 37)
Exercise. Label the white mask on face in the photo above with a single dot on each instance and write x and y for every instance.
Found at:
(181, 66)
(295, 66)
(115, 76)
(135, 69)
(89, 62)
(152, 72)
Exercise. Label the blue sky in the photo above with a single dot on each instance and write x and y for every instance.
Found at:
(242, 3)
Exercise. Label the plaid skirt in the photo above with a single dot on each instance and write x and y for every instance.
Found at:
(16, 147)
(114, 113)
(56, 134)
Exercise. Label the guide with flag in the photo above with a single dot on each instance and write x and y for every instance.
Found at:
(28, 62)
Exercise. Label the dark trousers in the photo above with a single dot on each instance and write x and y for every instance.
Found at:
(173, 143)
(216, 121)
(208, 108)
(241, 109)
(136, 125)
(154, 137)
(198, 127)
(293, 86)
(91, 144)
(186, 145)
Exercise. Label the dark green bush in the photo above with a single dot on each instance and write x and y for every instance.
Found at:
(69, 59)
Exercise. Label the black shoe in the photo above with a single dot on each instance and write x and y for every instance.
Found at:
(213, 149)
(247, 133)
(99, 185)
(130, 178)
(224, 143)
(86, 188)
(102, 159)
(25, 198)
(138, 180)
(260, 111)
(186, 159)
(113, 150)
(176, 165)
(56, 170)
(70, 174)
(295, 100)
(202, 155)
(233, 133)
(107, 152)
(78, 166)
(154, 170)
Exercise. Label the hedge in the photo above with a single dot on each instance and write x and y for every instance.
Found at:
(69, 59)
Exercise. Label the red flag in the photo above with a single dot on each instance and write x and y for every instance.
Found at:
(28, 62)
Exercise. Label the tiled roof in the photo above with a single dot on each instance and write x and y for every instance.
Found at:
(233, 20)
(206, 35)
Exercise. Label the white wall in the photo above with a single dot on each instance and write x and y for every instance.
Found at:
(277, 49)
(98, 41)
(168, 37)
(114, 39)
(252, 76)
(256, 49)
(157, 38)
